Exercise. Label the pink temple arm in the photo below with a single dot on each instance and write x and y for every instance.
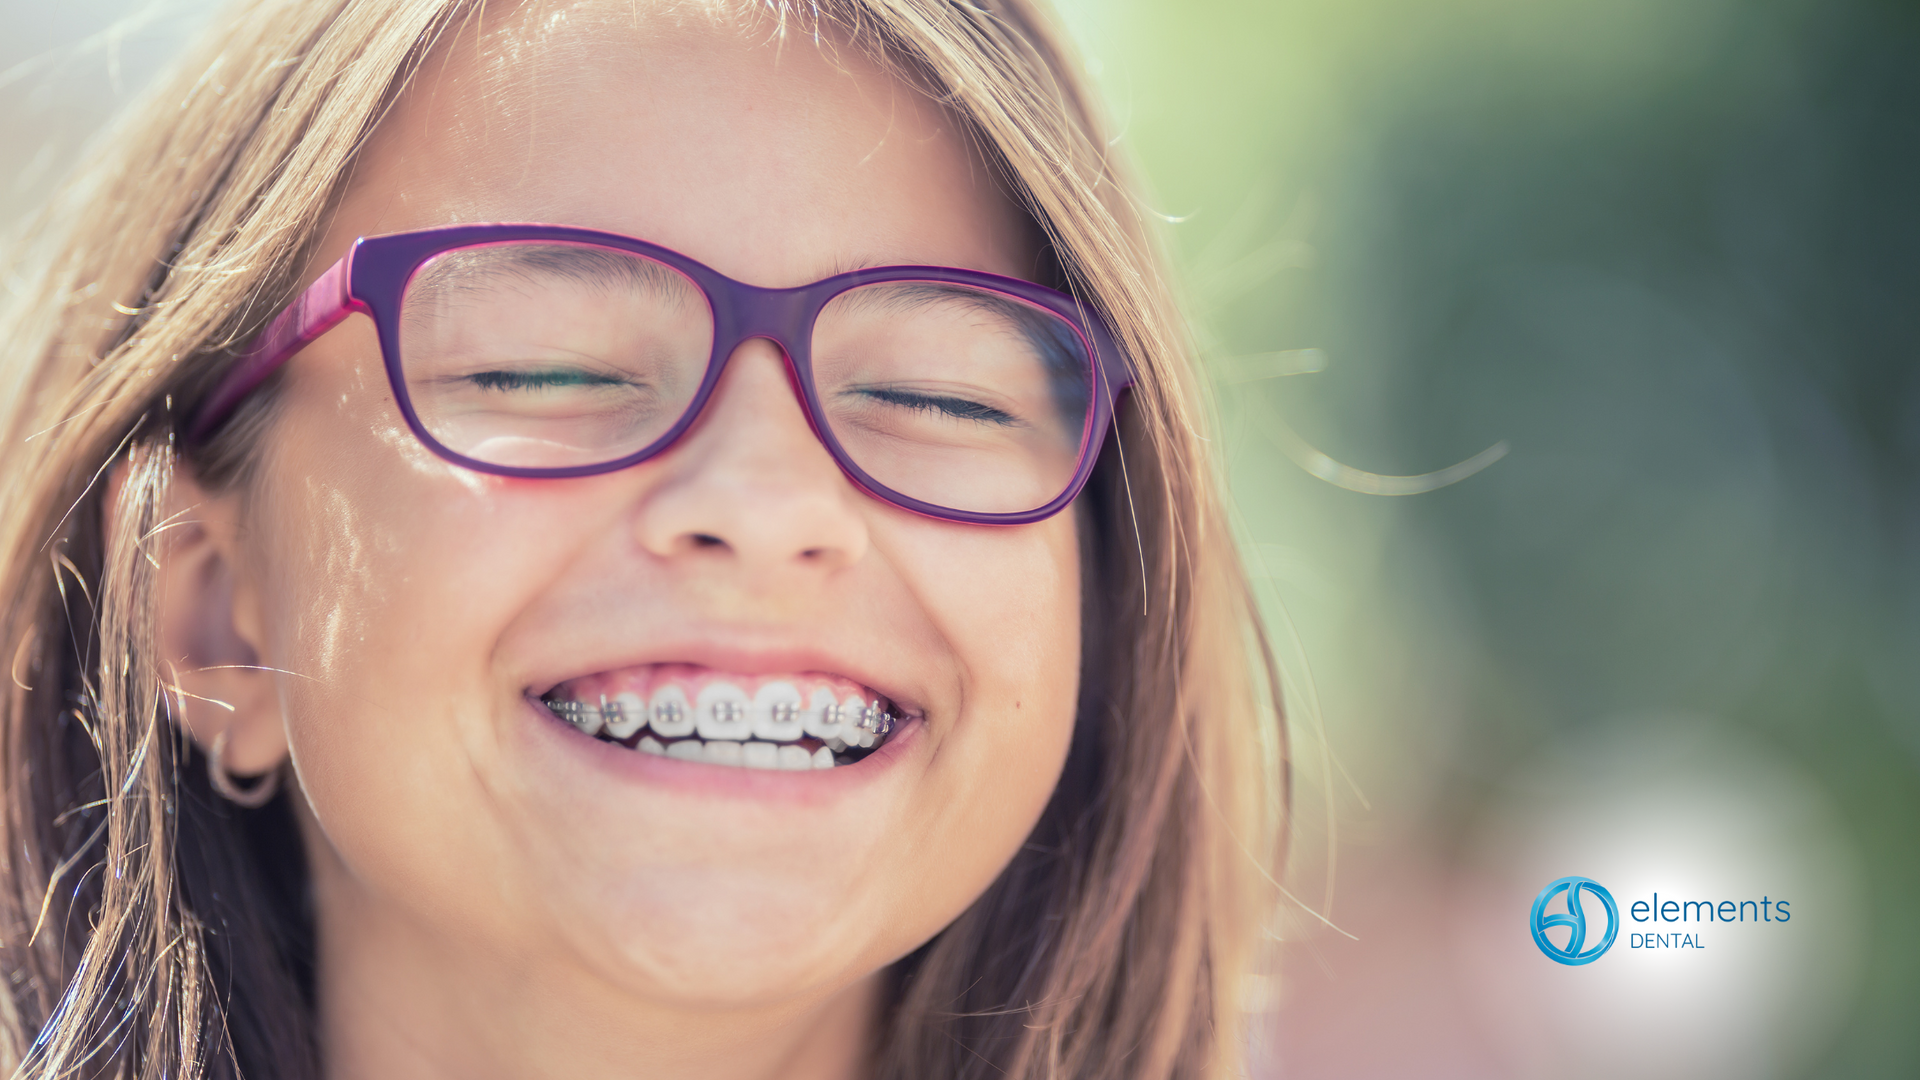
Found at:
(312, 313)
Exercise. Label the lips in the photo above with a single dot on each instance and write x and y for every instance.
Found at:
(794, 722)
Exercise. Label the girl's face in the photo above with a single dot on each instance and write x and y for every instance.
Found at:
(460, 833)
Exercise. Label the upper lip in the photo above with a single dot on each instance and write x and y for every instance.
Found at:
(724, 658)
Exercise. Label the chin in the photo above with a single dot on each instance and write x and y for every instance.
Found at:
(757, 939)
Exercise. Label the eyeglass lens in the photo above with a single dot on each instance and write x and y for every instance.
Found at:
(552, 355)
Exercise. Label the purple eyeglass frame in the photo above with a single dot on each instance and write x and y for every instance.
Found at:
(374, 274)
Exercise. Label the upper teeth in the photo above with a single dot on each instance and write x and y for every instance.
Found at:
(628, 714)
(723, 712)
(776, 712)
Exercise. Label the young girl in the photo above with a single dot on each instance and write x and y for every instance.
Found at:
(761, 611)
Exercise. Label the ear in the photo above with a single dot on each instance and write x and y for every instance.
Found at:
(209, 628)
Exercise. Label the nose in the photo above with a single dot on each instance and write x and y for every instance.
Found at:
(750, 481)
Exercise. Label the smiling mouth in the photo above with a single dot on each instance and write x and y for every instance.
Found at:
(788, 722)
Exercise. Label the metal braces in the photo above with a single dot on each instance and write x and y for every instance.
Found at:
(870, 718)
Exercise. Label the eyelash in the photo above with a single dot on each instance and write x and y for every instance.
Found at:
(539, 380)
(955, 407)
(958, 408)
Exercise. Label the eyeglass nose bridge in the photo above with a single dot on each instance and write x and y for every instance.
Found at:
(743, 312)
(782, 317)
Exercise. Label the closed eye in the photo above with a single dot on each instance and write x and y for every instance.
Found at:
(541, 380)
(956, 407)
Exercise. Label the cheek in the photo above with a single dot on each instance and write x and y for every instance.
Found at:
(371, 581)
(1008, 604)
(1006, 599)
(341, 534)
(385, 593)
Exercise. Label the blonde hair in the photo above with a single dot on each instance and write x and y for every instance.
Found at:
(149, 929)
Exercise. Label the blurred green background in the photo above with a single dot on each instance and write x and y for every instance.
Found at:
(1664, 250)
(1659, 254)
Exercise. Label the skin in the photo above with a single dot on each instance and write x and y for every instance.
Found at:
(498, 895)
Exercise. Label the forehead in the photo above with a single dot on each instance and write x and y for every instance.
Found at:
(776, 154)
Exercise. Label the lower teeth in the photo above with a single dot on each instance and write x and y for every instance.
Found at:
(789, 757)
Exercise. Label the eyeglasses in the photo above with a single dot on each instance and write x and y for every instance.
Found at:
(550, 351)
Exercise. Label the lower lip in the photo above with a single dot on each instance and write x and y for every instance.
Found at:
(573, 753)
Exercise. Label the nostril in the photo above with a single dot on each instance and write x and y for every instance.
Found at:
(707, 540)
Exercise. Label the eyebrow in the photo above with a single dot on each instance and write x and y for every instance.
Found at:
(897, 296)
(865, 262)
(1048, 334)
(464, 269)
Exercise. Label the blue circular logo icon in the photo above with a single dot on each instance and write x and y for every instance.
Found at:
(1575, 950)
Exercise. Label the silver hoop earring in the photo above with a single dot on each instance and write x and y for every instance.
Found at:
(252, 798)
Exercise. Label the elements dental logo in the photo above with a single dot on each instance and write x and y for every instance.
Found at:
(1575, 950)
